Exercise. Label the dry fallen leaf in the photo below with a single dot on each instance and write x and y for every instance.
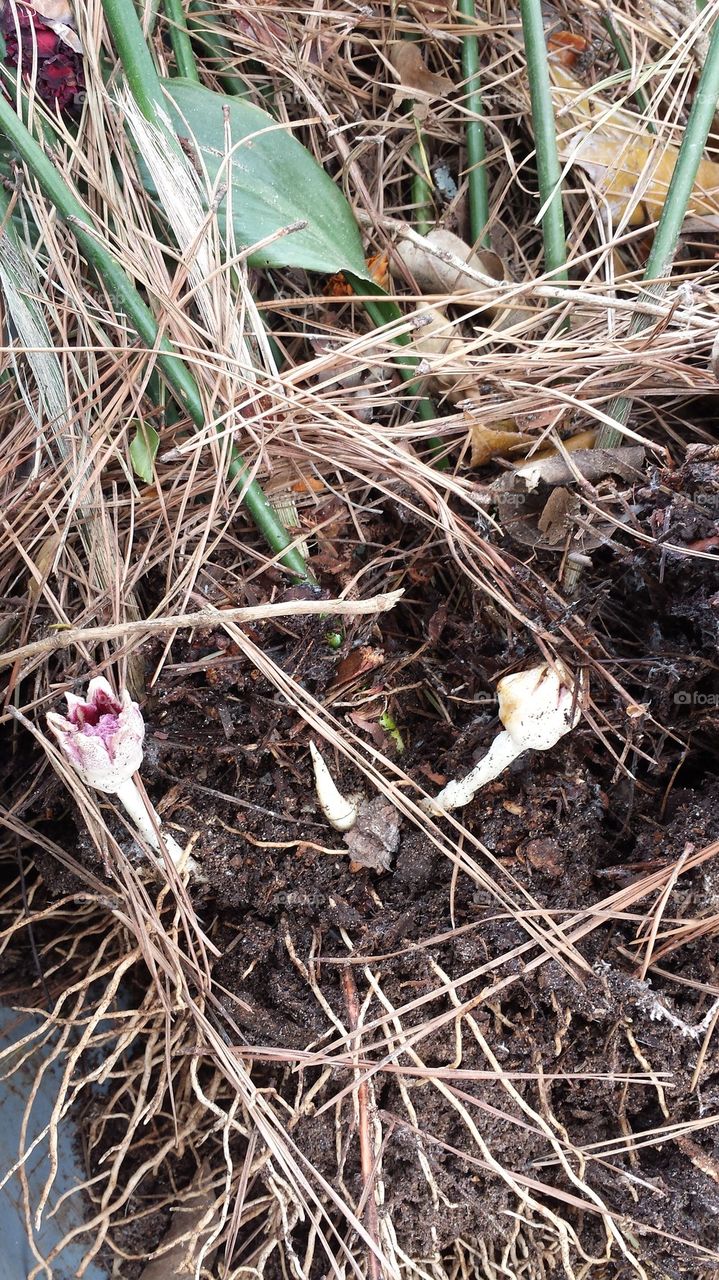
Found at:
(53, 11)
(555, 519)
(433, 275)
(375, 835)
(631, 168)
(490, 442)
(537, 506)
(415, 78)
(447, 368)
(445, 354)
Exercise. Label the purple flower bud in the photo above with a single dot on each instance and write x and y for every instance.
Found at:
(101, 735)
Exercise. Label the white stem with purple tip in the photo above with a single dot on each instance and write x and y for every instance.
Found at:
(102, 736)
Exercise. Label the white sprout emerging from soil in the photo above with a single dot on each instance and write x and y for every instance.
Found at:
(536, 707)
(102, 736)
(340, 812)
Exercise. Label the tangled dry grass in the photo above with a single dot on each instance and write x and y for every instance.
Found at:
(86, 551)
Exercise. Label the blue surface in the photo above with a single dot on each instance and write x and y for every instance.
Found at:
(17, 1260)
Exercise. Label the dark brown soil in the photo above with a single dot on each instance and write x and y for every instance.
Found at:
(570, 826)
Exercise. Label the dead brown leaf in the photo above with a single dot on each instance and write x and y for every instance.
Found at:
(375, 835)
(415, 78)
(434, 264)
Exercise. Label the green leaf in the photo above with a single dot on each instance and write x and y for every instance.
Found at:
(275, 182)
(143, 451)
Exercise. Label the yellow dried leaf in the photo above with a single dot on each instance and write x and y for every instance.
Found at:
(487, 443)
(630, 168)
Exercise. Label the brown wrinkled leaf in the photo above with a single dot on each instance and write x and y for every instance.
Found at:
(415, 78)
(375, 835)
(357, 663)
(260, 28)
(372, 728)
(536, 505)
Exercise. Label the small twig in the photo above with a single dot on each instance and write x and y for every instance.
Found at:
(204, 619)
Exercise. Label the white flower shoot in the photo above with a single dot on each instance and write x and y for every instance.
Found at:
(102, 736)
(339, 812)
(536, 707)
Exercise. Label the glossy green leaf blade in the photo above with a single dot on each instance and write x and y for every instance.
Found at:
(275, 182)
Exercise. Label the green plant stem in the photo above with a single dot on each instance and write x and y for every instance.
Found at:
(474, 130)
(146, 89)
(206, 33)
(140, 71)
(382, 310)
(656, 273)
(422, 207)
(422, 203)
(625, 63)
(127, 299)
(545, 140)
(180, 38)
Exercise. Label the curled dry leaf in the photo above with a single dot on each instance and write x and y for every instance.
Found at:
(488, 442)
(433, 269)
(445, 354)
(415, 78)
(53, 11)
(446, 361)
